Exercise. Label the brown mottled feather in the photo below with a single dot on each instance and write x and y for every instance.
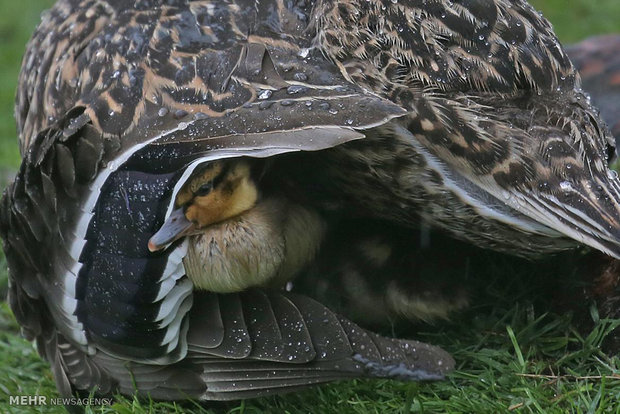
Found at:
(496, 117)
(470, 114)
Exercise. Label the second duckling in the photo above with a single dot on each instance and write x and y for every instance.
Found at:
(238, 238)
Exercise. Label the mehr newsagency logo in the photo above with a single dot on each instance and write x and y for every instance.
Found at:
(45, 400)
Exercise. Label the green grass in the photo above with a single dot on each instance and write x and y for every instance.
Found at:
(574, 20)
(514, 353)
(17, 22)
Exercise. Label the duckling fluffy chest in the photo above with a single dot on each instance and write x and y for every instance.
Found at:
(268, 244)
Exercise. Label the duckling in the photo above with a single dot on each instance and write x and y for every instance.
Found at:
(379, 274)
(238, 239)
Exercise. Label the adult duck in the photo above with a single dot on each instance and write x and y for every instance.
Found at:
(465, 116)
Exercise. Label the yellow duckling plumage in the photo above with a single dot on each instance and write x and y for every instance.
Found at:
(237, 239)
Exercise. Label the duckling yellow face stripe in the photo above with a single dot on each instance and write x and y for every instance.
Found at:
(189, 190)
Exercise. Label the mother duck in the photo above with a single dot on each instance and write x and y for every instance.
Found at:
(463, 115)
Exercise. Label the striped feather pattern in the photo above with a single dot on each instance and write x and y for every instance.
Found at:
(465, 116)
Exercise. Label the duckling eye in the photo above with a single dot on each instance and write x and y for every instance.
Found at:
(204, 189)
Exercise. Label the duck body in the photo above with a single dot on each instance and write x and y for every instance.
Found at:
(267, 245)
(500, 148)
(391, 110)
(142, 95)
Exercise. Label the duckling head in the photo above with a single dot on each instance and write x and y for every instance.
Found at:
(214, 193)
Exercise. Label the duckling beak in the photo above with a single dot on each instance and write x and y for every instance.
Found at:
(175, 227)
